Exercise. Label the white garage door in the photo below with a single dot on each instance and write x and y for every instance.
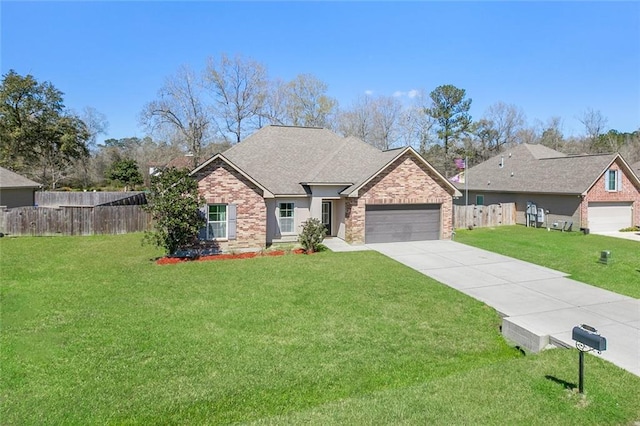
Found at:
(385, 223)
(609, 217)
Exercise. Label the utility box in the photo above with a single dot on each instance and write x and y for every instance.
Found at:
(589, 338)
(540, 217)
(532, 211)
(605, 256)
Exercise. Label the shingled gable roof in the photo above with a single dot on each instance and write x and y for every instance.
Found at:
(538, 169)
(283, 159)
(636, 168)
(11, 180)
(266, 192)
(392, 155)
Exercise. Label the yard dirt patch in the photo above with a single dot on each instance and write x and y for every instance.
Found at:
(248, 255)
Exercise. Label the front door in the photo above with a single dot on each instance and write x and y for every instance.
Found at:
(326, 216)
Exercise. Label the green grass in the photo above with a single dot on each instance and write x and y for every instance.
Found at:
(93, 332)
(571, 252)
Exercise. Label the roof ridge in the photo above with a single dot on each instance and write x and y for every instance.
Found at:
(587, 155)
(329, 159)
(297, 127)
(573, 157)
(539, 151)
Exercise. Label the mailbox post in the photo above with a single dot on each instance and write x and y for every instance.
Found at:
(587, 339)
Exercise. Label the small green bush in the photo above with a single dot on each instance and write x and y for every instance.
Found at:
(313, 232)
(631, 229)
(173, 201)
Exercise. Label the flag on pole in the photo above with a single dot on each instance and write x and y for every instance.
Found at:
(460, 163)
(459, 178)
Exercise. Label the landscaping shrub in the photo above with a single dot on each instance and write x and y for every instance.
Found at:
(173, 202)
(313, 232)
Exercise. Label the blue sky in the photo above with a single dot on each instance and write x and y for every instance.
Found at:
(550, 59)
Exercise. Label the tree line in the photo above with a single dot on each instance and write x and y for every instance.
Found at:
(207, 111)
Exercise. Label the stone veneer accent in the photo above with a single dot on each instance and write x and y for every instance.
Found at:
(406, 181)
(629, 193)
(220, 183)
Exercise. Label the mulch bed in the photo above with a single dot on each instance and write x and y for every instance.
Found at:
(247, 255)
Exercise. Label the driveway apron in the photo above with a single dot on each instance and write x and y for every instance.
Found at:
(538, 300)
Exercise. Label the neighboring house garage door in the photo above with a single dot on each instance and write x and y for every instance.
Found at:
(608, 217)
(386, 223)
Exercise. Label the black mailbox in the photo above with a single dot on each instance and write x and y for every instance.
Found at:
(589, 338)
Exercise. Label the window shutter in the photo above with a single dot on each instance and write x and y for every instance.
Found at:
(619, 175)
(202, 232)
(232, 217)
(606, 180)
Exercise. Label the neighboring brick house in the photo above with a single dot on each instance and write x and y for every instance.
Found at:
(261, 190)
(599, 192)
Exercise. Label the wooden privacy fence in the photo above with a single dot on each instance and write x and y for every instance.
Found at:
(85, 220)
(481, 216)
(121, 219)
(76, 199)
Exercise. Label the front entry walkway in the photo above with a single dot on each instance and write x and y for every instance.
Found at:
(337, 244)
(539, 306)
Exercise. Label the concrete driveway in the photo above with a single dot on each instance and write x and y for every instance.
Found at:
(633, 236)
(539, 306)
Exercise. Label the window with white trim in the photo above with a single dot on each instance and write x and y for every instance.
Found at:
(612, 180)
(285, 218)
(217, 223)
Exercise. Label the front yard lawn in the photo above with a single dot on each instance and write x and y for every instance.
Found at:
(94, 332)
(571, 252)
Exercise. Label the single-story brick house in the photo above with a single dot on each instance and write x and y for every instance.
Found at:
(16, 190)
(261, 190)
(599, 192)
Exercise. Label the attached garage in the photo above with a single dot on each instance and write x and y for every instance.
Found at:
(609, 217)
(385, 223)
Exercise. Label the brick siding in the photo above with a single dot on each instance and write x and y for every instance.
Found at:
(629, 193)
(406, 181)
(220, 183)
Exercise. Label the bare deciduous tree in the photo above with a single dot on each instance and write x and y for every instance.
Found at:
(416, 126)
(507, 120)
(181, 111)
(374, 120)
(386, 119)
(356, 121)
(552, 134)
(274, 108)
(631, 148)
(484, 141)
(238, 86)
(97, 124)
(501, 125)
(529, 135)
(307, 103)
(594, 123)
